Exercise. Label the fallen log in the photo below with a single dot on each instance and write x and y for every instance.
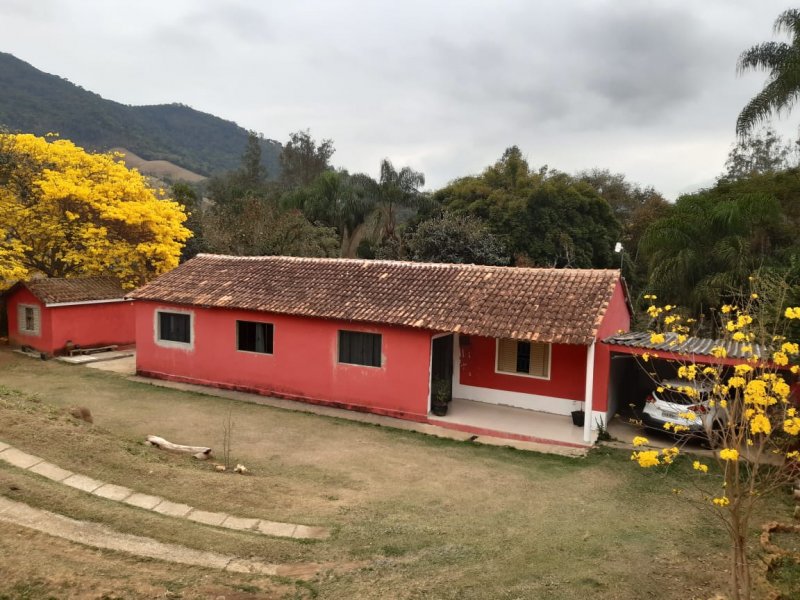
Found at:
(199, 452)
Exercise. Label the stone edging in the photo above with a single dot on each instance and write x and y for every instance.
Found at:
(157, 504)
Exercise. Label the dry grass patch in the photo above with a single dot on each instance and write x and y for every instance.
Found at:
(431, 517)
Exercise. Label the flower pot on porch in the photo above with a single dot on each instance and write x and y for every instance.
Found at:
(578, 417)
(439, 408)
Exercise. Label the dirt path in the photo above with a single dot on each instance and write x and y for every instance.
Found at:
(99, 536)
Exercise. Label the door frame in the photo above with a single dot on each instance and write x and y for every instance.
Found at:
(430, 365)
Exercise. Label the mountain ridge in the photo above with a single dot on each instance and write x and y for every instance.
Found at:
(33, 101)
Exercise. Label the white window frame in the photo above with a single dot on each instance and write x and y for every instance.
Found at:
(37, 320)
(236, 325)
(170, 343)
(528, 375)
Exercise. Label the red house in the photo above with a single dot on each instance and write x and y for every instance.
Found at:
(47, 314)
(376, 336)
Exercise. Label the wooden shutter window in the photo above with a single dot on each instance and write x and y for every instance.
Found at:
(540, 357)
(508, 354)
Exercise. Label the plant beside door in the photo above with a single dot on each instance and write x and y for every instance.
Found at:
(441, 394)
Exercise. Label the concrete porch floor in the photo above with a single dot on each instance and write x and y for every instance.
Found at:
(495, 419)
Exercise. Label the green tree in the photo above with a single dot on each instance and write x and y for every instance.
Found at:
(260, 227)
(709, 245)
(543, 217)
(570, 225)
(453, 238)
(187, 197)
(759, 152)
(635, 207)
(395, 190)
(782, 63)
(253, 172)
(303, 160)
(339, 200)
(232, 187)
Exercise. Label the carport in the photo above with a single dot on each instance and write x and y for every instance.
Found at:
(631, 378)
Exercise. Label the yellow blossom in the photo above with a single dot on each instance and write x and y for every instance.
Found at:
(719, 352)
(742, 369)
(792, 312)
(736, 382)
(698, 466)
(723, 501)
(780, 358)
(646, 458)
(729, 454)
(657, 338)
(790, 348)
(760, 424)
(640, 441)
(792, 426)
(738, 337)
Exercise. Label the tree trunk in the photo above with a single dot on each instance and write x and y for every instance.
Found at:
(199, 452)
(740, 572)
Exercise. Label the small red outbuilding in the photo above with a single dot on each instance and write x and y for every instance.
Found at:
(386, 336)
(49, 314)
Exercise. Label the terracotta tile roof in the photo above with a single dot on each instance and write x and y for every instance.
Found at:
(549, 305)
(77, 289)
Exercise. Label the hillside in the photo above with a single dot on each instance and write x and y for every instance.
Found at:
(37, 102)
(162, 169)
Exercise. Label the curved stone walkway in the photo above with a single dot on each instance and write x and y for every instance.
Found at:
(100, 536)
(157, 504)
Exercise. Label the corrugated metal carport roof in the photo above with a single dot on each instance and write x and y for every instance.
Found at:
(640, 340)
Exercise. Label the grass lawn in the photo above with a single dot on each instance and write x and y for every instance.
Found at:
(412, 516)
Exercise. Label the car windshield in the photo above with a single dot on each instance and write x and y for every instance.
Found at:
(676, 397)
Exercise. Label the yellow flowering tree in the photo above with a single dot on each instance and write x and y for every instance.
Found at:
(748, 414)
(65, 212)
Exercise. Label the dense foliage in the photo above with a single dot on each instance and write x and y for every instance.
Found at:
(544, 218)
(35, 102)
(67, 212)
(711, 242)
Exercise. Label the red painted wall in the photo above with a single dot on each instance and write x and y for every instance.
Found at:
(93, 324)
(304, 364)
(617, 318)
(84, 324)
(567, 371)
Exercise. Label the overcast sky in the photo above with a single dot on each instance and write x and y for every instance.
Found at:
(643, 87)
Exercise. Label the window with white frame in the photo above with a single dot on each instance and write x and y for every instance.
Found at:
(174, 327)
(28, 319)
(520, 357)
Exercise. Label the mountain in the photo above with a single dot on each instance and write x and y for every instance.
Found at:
(32, 101)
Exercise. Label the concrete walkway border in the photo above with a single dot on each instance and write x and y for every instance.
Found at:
(100, 536)
(157, 504)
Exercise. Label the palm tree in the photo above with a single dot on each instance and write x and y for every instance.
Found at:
(396, 189)
(782, 62)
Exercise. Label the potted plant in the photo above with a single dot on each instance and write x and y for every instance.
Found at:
(441, 394)
(578, 417)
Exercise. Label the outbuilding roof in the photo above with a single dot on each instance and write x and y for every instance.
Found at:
(640, 340)
(73, 290)
(548, 305)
